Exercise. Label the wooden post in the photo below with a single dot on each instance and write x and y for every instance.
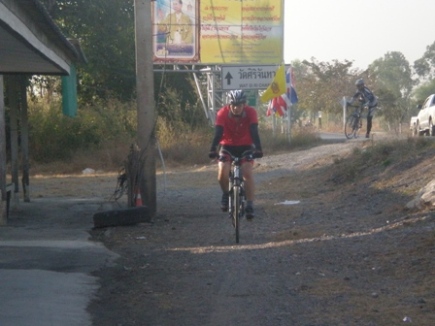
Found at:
(24, 140)
(13, 90)
(146, 120)
(3, 215)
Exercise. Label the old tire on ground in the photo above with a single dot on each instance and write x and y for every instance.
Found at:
(120, 217)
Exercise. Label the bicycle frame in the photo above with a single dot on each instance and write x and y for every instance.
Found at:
(353, 122)
(236, 207)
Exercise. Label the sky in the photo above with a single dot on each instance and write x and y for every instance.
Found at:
(358, 31)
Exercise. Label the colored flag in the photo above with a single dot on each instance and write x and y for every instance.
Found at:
(291, 91)
(277, 87)
(286, 100)
(277, 106)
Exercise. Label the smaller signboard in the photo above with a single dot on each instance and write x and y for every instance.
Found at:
(251, 97)
(247, 77)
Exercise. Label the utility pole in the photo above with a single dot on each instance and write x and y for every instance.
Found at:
(145, 103)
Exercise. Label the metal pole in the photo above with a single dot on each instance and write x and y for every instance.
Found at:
(274, 124)
(289, 122)
(344, 112)
(198, 88)
(211, 96)
(146, 120)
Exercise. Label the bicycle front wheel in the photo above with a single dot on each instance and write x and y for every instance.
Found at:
(236, 211)
(351, 127)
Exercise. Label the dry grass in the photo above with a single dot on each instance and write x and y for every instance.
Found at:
(173, 150)
(387, 156)
(109, 158)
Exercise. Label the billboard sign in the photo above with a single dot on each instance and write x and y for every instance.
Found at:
(175, 31)
(240, 32)
(218, 31)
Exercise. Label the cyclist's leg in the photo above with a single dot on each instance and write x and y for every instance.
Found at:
(248, 178)
(223, 175)
(369, 124)
(223, 179)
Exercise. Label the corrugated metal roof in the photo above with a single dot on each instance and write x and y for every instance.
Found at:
(31, 42)
(45, 21)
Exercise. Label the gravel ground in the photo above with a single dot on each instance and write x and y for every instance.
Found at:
(340, 252)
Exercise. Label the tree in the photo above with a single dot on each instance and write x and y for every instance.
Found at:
(421, 93)
(106, 31)
(391, 76)
(425, 66)
(324, 84)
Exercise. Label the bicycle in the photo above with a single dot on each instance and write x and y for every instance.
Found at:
(236, 205)
(353, 122)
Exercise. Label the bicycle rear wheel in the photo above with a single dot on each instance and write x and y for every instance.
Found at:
(236, 211)
(351, 127)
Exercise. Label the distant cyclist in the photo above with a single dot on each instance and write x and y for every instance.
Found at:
(236, 131)
(368, 100)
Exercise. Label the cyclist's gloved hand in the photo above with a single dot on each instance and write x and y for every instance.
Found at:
(212, 155)
(258, 154)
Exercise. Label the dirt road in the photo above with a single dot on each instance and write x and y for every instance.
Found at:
(344, 253)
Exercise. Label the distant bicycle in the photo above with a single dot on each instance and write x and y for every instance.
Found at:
(353, 121)
(236, 207)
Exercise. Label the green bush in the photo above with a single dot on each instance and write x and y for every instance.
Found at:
(53, 136)
(182, 131)
(101, 134)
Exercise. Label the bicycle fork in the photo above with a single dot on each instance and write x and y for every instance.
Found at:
(236, 182)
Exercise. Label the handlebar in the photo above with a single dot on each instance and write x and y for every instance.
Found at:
(357, 106)
(249, 154)
(348, 105)
(358, 109)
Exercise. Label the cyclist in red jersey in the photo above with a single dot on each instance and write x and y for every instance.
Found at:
(236, 131)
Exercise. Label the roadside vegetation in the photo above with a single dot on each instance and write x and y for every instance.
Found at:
(100, 137)
(105, 127)
(378, 157)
